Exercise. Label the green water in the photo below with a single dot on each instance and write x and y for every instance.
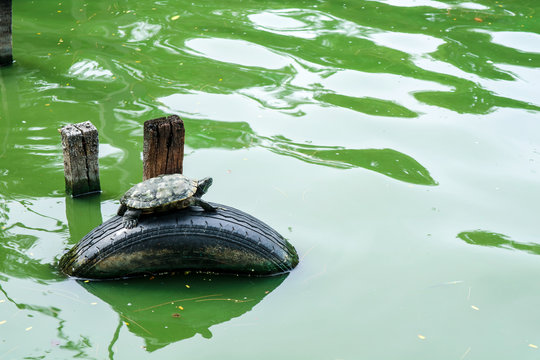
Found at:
(396, 144)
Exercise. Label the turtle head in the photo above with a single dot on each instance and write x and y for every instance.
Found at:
(203, 185)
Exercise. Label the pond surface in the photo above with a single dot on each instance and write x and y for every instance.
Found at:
(396, 144)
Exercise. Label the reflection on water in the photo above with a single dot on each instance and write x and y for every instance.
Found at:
(384, 161)
(208, 134)
(82, 214)
(237, 135)
(491, 239)
(525, 42)
(22, 225)
(237, 52)
(168, 309)
(367, 105)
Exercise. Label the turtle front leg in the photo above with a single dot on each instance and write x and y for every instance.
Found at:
(121, 210)
(131, 218)
(200, 202)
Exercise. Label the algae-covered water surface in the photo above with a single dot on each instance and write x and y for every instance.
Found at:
(394, 143)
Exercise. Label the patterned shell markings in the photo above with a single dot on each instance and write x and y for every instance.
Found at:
(159, 192)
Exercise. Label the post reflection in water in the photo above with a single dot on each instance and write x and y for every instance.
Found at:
(167, 309)
(83, 214)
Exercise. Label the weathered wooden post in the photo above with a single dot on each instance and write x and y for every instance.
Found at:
(163, 149)
(80, 145)
(6, 55)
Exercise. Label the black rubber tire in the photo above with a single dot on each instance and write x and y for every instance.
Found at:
(227, 240)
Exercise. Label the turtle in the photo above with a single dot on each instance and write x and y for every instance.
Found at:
(162, 193)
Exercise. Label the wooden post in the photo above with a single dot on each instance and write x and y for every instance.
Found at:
(163, 149)
(6, 56)
(80, 144)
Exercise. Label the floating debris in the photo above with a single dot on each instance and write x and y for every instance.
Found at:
(466, 353)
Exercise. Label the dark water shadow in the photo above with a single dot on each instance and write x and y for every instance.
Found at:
(238, 135)
(471, 100)
(367, 105)
(168, 309)
(387, 162)
(491, 239)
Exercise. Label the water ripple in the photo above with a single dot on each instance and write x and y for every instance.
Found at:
(305, 23)
(90, 70)
(237, 52)
(523, 41)
(138, 31)
(415, 3)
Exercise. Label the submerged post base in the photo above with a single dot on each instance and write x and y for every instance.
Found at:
(6, 52)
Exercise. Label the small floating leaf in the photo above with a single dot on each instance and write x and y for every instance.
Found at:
(175, 17)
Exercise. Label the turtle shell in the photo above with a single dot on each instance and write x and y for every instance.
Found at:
(162, 191)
